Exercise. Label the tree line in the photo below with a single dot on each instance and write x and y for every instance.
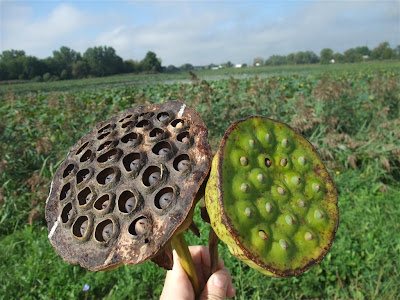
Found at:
(358, 54)
(69, 64)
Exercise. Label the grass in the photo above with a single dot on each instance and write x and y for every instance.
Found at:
(351, 113)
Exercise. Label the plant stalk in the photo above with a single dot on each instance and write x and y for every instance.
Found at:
(213, 249)
(186, 261)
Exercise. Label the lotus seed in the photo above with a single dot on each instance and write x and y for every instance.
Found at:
(165, 199)
(302, 160)
(268, 207)
(163, 151)
(301, 203)
(179, 124)
(185, 139)
(130, 204)
(244, 187)
(252, 143)
(131, 140)
(285, 143)
(261, 178)
(308, 236)
(289, 220)
(105, 204)
(86, 176)
(110, 157)
(316, 187)
(155, 176)
(141, 226)
(134, 164)
(283, 162)
(284, 245)
(296, 180)
(318, 214)
(244, 161)
(107, 232)
(268, 162)
(125, 119)
(67, 193)
(108, 178)
(267, 137)
(262, 235)
(84, 226)
(183, 165)
(248, 212)
(69, 214)
(281, 191)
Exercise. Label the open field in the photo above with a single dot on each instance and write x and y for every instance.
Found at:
(350, 112)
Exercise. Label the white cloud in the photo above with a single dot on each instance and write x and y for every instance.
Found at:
(205, 32)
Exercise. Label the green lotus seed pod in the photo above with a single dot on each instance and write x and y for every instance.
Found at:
(277, 210)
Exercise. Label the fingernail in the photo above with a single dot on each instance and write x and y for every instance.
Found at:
(220, 280)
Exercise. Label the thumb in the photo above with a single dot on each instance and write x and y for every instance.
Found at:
(216, 286)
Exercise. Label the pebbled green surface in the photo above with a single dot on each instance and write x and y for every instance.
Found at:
(277, 195)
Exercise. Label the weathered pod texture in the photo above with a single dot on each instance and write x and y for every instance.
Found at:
(128, 185)
(270, 198)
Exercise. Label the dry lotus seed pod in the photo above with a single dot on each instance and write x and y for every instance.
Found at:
(270, 198)
(128, 186)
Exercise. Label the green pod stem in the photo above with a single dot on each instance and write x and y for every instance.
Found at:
(186, 260)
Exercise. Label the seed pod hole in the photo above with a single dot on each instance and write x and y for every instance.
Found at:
(105, 176)
(104, 231)
(104, 146)
(126, 124)
(86, 156)
(80, 226)
(84, 196)
(109, 155)
(143, 123)
(164, 198)
(151, 175)
(66, 191)
(301, 203)
(183, 137)
(177, 123)
(163, 116)
(308, 236)
(284, 245)
(126, 202)
(102, 136)
(140, 226)
(130, 138)
(66, 213)
(244, 161)
(104, 128)
(262, 234)
(68, 170)
(102, 203)
(82, 175)
(182, 163)
(156, 132)
(126, 118)
(146, 115)
(131, 161)
(81, 148)
(162, 148)
(283, 162)
(268, 162)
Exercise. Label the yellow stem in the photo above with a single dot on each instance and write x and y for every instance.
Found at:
(186, 261)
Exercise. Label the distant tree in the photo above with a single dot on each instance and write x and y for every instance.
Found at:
(103, 61)
(338, 57)
(186, 67)
(351, 56)
(383, 51)
(258, 61)
(326, 55)
(13, 63)
(275, 60)
(80, 69)
(63, 60)
(171, 69)
(151, 63)
(244, 65)
(397, 51)
(364, 50)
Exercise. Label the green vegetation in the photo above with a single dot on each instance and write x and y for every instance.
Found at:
(351, 114)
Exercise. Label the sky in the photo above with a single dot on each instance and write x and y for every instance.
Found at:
(199, 32)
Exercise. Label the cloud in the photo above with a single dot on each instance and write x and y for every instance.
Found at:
(21, 31)
(204, 32)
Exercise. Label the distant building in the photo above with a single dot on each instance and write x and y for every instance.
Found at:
(257, 64)
(238, 66)
(332, 61)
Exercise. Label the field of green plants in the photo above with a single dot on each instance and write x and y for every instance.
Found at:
(351, 113)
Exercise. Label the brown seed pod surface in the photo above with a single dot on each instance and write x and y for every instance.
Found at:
(127, 186)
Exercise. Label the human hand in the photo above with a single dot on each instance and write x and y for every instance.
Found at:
(177, 285)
